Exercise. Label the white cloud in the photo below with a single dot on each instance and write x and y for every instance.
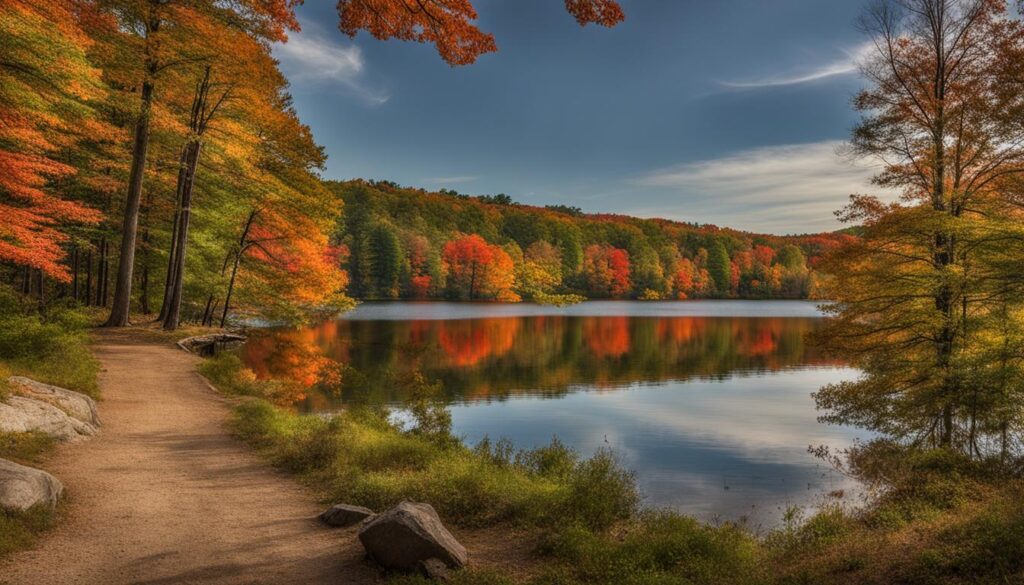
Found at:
(845, 66)
(777, 189)
(311, 57)
(451, 180)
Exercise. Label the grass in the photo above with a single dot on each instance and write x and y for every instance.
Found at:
(30, 448)
(19, 530)
(50, 347)
(939, 517)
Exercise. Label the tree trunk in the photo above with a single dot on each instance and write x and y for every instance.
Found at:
(174, 308)
(101, 252)
(41, 294)
(126, 259)
(74, 272)
(88, 277)
(201, 116)
(242, 245)
(173, 251)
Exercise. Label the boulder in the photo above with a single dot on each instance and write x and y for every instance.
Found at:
(409, 534)
(75, 404)
(19, 414)
(24, 487)
(207, 345)
(342, 515)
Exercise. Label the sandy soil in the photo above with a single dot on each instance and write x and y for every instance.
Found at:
(166, 495)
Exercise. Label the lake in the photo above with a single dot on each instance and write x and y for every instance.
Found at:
(708, 402)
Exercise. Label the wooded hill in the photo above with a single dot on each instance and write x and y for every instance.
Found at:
(405, 242)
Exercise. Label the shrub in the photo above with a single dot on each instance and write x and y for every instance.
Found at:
(50, 347)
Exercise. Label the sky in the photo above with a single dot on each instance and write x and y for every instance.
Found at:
(727, 112)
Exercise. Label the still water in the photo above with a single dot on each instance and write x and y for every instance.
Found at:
(708, 402)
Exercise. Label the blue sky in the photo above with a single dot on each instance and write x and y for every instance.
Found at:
(724, 111)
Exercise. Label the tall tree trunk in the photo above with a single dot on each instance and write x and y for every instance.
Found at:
(74, 272)
(41, 294)
(242, 245)
(173, 251)
(101, 252)
(88, 277)
(202, 113)
(174, 308)
(126, 259)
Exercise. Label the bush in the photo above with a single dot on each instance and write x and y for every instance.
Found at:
(659, 547)
(50, 347)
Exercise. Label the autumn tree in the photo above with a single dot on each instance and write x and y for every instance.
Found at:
(449, 24)
(477, 269)
(606, 270)
(540, 271)
(924, 294)
(48, 89)
(163, 35)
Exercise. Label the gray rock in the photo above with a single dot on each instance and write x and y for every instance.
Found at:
(408, 534)
(24, 487)
(343, 515)
(19, 414)
(75, 404)
(207, 345)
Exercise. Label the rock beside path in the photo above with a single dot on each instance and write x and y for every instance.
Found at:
(407, 536)
(75, 404)
(343, 515)
(19, 414)
(207, 345)
(23, 487)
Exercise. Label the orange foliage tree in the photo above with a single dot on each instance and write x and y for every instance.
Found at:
(449, 24)
(606, 270)
(477, 269)
(47, 86)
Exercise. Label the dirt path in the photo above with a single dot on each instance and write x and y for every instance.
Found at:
(166, 495)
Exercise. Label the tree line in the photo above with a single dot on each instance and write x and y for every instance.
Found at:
(409, 243)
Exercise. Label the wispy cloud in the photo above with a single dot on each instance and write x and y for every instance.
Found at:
(311, 57)
(778, 189)
(451, 180)
(846, 65)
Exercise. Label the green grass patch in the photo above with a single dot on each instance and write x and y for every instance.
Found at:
(50, 347)
(361, 457)
(26, 448)
(19, 530)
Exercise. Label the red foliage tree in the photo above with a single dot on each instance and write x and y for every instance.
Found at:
(449, 24)
(606, 270)
(477, 269)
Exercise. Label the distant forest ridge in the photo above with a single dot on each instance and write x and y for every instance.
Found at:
(404, 242)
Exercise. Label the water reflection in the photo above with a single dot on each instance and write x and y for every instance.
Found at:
(494, 358)
(712, 412)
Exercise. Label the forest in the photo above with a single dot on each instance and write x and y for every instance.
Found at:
(409, 243)
(153, 162)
